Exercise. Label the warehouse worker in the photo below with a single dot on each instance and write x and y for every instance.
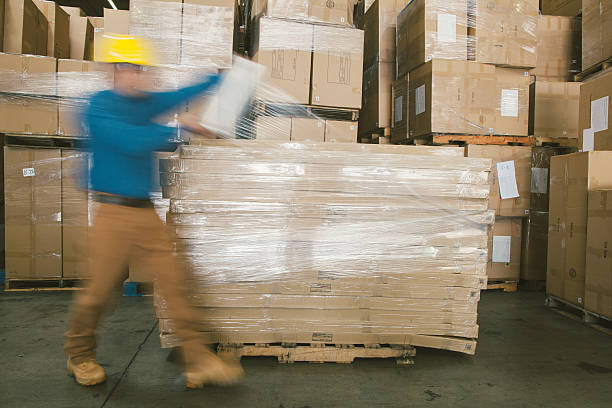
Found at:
(123, 137)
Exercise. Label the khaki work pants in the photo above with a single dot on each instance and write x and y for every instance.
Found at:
(120, 235)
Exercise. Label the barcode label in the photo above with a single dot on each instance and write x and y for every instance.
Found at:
(29, 172)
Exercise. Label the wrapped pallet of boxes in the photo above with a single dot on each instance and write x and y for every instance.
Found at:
(595, 113)
(338, 12)
(322, 251)
(598, 275)
(28, 103)
(340, 131)
(596, 32)
(190, 32)
(505, 250)
(58, 29)
(428, 29)
(272, 128)
(503, 32)
(559, 54)
(572, 177)
(554, 109)
(307, 129)
(570, 8)
(25, 28)
(400, 112)
(33, 231)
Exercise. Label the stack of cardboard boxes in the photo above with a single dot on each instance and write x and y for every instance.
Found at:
(314, 57)
(327, 250)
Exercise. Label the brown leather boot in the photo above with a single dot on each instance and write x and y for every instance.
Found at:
(87, 373)
(213, 371)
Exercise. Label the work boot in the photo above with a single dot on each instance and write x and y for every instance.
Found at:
(87, 373)
(213, 371)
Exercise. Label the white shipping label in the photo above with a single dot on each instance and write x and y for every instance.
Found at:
(447, 27)
(510, 102)
(419, 99)
(501, 248)
(398, 109)
(599, 114)
(539, 180)
(28, 172)
(506, 177)
(588, 140)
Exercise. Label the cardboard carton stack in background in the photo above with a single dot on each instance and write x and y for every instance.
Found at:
(569, 8)
(559, 52)
(25, 28)
(596, 32)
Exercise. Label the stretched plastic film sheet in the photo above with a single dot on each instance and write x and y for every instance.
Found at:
(503, 32)
(338, 12)
(596, 32)
(321, 242)
(559, 48)
(192, 32)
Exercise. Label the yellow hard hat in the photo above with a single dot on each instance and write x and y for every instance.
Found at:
(117, 48)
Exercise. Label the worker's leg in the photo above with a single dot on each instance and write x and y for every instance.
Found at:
(108, 254)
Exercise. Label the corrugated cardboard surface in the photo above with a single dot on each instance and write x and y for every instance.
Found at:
(596, 32)
(337, 70)
(303, 129)
(419, 39)
(272, 128)
(521, 156)
(512, 111)
(28, 114)
(559, 54)
(590, 91)
(81, 38)
(506, 227)
(540, 174)
(554, 109)
(534, 246)
(117, 21)
(572, 176)
(73, 11)
(32, 181)
(58, 31)
(25, 28)
(338, 12)
(598, 278)
(376, 110)
(1, 25)
(339, 131)
(399, 110)
(562, 7)
(379, 25)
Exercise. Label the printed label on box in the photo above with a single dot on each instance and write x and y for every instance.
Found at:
(419, 99)
(588, 140)
(501, 248)
(509, 102)
(325, 337)
(539, 180)
(506, 177)
(447, 27)
(398, 109)
(599, 114)
(28, 172)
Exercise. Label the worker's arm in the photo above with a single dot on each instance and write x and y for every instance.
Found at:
(162, 102)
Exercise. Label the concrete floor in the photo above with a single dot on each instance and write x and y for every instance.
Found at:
(527, 356)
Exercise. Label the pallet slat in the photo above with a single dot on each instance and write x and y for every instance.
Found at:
(579, 314)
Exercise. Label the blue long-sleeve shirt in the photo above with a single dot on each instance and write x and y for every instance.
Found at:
(123, 137)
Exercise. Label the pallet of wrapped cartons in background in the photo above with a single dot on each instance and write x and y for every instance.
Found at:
(461, 139)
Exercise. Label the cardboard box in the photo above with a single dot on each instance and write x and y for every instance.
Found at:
(571, 178)
(32, 182)
(376, 110)
(559, 54)
(337, 67)
(21, 113)
(81, 38)
(554, 109)
(378, 27)
(503, 32)
(25, 28)
(453, 97)
(400, 111)
(76, 213)
(339, 131)
(562, 7)
(288, 68)
(303, 129)
(339, 12)
(74, 11)
(598, 277)
(540, 174)
(117, 21)
(504, 262)
(595, 94)
(596, 32)
(2, 27)
(432, 29)
(512, 114)
(98, 26)
(272, 128)
(520, 157)
(534, 246)
(58, 29)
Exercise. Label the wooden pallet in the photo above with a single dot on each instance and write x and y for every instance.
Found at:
(39, 285)
(594, 69)
(507, 286)
(297, 110)
(556, 142)
(318, 353)
(460, 139)
(579, 314)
